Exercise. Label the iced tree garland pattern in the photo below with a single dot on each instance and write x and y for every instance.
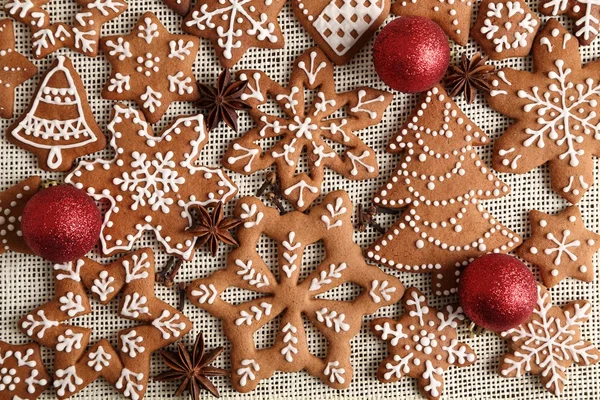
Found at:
(423, 343)
(549, 342)
(233, 26)
(12, 203)
(22, 372)
(555, 108)
(151, 67)
(338, 321)
(82, 35)
(308, 129)
(152, 182)
(585, 14)
(441, 180)
(127, 366)
(505, 28)
(560, 246)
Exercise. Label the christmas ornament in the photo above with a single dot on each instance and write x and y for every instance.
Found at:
(411, 54)
(61, 223)
(497, 292)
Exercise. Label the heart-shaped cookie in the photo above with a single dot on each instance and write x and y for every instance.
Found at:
(341, 27)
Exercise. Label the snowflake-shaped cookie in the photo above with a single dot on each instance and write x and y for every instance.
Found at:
(293, 297)
(15, 68)
(126, 367)
(453, 16)
(585, 13)
(233, 26)
(560, 246)
(81, 36)
(12, 203)
(22, 372)
(308, 128)
(505, 28)
(549, 342)
(151, 67)
(152, 182)
(556, 113)
(422, 344)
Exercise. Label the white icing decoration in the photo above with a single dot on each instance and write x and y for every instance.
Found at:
(327, 277)
(169, 327)
(314, 70)
(134, 305)
(131, 382)
(120, 83)
(121, 48)
(300, 185)
(248, 371)
(148, 30)
(255, 313)
(106, 7)
(99, 359)
(72, 304)
(393, 334)
(103, 286)
(151, 99)
(290, 340)
(181, 86)
(131, 344)
(502, 35)
(71, 271)
(586, 22)
(343, 25)
(180, 49)
(358, 160)
(335, 374)
(381, 291)
(332, 319)
(32, 381)
(361, 103)
(206, 294)
(250, 275)
(31, 324)
(563, 247)
(235, 14)
(68, 380)
(137, 270)
(57, 135)
(250, 212)
(69, 341)
(334, 212)
(289, 255)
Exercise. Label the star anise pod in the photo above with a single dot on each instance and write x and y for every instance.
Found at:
(192, 369)
(212, 228)
(468, 76)
(224, 101)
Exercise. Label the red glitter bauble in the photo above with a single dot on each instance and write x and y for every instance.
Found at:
(411, 54)
(497, 292)
(61, 223)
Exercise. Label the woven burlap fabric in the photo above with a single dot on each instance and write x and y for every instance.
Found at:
(26, 282)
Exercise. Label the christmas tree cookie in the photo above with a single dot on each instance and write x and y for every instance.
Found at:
(441, 181)
(59, 125)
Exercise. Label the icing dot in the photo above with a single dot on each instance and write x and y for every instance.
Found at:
(583, 269)
(554, 272)
(420, 244)
(543, 223)
(533, 250)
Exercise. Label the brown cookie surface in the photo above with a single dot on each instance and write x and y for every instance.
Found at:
(423, 343)
(555, 113)
(441, 181)
(505, 28)
(234, 26)
(126, 366)
(12, 203)
(152, 182)
(341, 27)
(151, 67)
(15, 68)
(585, 14)
(307, 133)
(291, 293)
(82, 35)
(549, 342)
(560, 246)
(59, 125)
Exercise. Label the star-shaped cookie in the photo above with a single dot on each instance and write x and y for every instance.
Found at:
(152, 182)
(78, 361)
(234, 26)
(151, 67)
(15, 68)
(453, 16)
(560, 246)
(22, 372)
(555, 109)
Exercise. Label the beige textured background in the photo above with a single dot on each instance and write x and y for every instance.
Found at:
(26, 282)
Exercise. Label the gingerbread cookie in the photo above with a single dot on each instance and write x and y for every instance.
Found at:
(15, 68)
(441, 180)
(127, 366)
(505, 28)
(560, 246)
(305, 130)
(22, 372)
(423, 343)
(549, 342)
(234, 26)
(12, 203)
(555, 113)
(453, 16)
(585, 13)
(81, 36)
(341, 27)
(151, 67)
(152, 182)
(59, 125)
(291, 297)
